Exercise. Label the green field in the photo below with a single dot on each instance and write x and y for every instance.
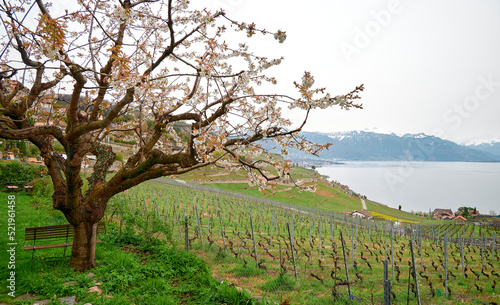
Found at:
(130, 269)
(220, 226)
(241, 239)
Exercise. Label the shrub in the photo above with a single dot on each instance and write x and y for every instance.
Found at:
(17, 171)
(147, 222)
(34, 151)
(119, 157)
(42, 187)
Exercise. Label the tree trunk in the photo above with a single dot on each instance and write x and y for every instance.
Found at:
(84, 242)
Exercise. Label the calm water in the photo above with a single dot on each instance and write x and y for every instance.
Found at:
(420, 186)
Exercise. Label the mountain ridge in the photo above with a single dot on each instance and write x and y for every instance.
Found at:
(371, 146)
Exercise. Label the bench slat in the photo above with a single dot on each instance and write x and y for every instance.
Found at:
(53, 246)
(57, 227)
(56, 231)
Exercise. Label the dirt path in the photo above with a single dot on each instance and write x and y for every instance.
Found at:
(327, 199)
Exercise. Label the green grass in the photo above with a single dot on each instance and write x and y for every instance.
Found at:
(301, 172)
(283, 282)
(237, 264)
(130, 268)
(294, 196)
(338, 203)
(135, 270)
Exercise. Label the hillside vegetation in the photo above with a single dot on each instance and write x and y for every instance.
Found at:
(328, 196)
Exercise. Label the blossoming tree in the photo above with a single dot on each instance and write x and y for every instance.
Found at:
(120, 64)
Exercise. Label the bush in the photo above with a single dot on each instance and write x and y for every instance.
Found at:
(41, 193)
(42, 187)
(34, 151)
(147, 222)
(119, 157)
(17, 171)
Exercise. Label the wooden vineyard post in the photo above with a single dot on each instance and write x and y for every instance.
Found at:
(437, 237)
(222, 231)
(446, 265)
(414, 272)
(208, 218)
(290, 236)
(177, 220)
(260, 220)
(157, 210)
(352, 247)
(462, 254)
(392, 251)
(186, 233)
(166, 211)
(387, 285)
(421, 254)
(355, 249)
(310, 229)
(493, 246)
(370, 233)
(272, 225)
(199, 225)
(482, 250)
(385, 241)
(345, 263)
(319, 243)
(331, 228)
(253, 239)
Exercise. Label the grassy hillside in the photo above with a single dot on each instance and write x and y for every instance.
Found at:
(327, 197)
(228, 233)
(130, 269)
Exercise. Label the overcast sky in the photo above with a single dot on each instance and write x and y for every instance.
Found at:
(427, 66)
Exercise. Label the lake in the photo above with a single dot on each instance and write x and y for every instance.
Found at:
(420, 186)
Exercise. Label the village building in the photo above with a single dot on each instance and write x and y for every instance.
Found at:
(472, 214)
(440, 213)
(460, 220)
(362, 214)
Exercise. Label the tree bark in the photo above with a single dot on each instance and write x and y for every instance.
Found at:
(84, 243)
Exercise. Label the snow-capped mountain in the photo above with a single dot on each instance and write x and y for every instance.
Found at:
(492, 147)
(371, 146)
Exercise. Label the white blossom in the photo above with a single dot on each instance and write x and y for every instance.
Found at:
(307, 80)
(280, 36)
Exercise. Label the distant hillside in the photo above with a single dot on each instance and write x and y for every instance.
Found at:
(492, 148)
(370, 146)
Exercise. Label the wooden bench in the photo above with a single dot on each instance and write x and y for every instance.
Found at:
(62, 232)
(16, 186)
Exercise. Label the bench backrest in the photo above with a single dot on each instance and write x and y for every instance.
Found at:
(56, 231)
